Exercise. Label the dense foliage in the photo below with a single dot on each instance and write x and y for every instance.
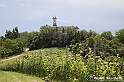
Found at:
(11, 44)
(52, 37)
(105, 45)
(64, 68)
(12, 34)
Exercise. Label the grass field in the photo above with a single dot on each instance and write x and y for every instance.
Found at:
(17, 77)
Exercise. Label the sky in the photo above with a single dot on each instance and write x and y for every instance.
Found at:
(30, 15)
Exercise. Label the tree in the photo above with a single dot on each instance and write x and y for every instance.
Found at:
(12, 34)
(91, 33)
(15, 33)
(120, 35)
(83, 35)
(12, 45)
(30, 37)
(52, 37)
(1, 41)
(107, 35)
(21, 43)
(4, 52)
(24, 38)
(8, 34)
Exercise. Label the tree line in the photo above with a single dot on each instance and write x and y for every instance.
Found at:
(11, 43)
(79, 41)
(105, 44)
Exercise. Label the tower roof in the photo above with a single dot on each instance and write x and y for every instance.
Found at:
(54, 17)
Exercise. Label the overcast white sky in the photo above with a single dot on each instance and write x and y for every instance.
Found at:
(29, 15)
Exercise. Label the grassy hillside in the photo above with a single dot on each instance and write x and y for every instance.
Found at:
(45, 51)
(17, 77)
(53, 64)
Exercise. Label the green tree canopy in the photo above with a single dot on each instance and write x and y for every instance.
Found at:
(120, 35)
(12, 34)
(107, 35)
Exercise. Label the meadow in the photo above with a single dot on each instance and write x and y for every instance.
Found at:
(6, 76)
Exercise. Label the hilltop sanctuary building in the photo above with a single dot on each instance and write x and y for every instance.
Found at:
(61, 27)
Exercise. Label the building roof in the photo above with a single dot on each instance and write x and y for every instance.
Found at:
(61, 27)
(65, 27)
(54, 17)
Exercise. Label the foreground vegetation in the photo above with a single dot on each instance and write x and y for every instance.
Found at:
(65, 68)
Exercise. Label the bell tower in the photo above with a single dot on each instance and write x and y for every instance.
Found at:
(54, 20)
